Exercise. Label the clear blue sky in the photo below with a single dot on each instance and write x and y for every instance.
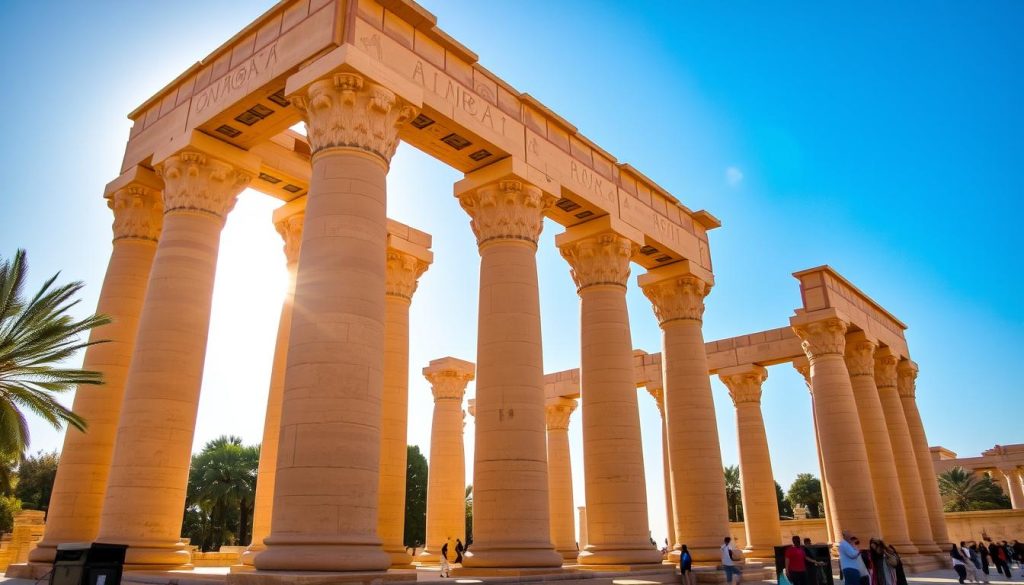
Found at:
(885, 140)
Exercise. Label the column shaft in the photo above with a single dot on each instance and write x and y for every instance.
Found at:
(446, 482)
(670, 524)
(563, 522)
(1016, 492)
(803, 366)
(78, 489)
(582, 542)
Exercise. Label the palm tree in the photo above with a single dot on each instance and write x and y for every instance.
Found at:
(962, 491)
(732, 492)
(222, 490)
(35, 335)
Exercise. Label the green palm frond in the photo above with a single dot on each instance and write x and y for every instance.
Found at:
(36, 336)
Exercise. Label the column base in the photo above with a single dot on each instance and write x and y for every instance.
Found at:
(30, 570)
(511, 558)
(510, 571)
(427, 557)
(929, 548)
(594, 555)
(157, 558)
(329, 557)
(569, 555)
(44, 552)
(316, 577)
(707, 554)
(915, 564)
(250, 553)
(624, 568)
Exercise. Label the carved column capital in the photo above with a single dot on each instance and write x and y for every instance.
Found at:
(138, 213)
(506, 210)
(347, 111)
(658, 394)
(678, 298)
(290, 228)
(906, 378)
(886, 364)
(803, 366)
(599, 259)
(557, 413)
(403, 273)
(745, 387)
(196, 182)
(860, 354)
(448, 378)
(824, 337)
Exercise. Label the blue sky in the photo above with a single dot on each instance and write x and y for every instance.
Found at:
(884, 140)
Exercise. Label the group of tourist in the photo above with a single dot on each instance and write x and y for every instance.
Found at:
(971, 559)
(446, 566)
(880, 564)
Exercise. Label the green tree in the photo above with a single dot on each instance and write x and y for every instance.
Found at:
(9, 506)
(963, 491)
(806, 491)
(221, 493)
(415, 498)
(469, 515)
(35, 480)
(785, 508)
(732, 492)
(36, 334)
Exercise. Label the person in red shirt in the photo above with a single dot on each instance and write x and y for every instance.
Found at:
(796, 563)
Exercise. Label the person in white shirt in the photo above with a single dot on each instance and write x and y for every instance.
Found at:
(729, 562)
(851, 565)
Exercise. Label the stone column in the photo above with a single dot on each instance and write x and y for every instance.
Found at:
(446, 482)
(659, 398)
(77, 497)
(1016, 492)
(760, 504)
(803, 366)
(328, 464)
(582, 542)
(511, 520)
(860, 362)
(146, 489)
(404, 267)
(918, 525)
(701, 510)
(613, 461)
(563, 524)
(906, 375)
(288, 222)
(840, 434)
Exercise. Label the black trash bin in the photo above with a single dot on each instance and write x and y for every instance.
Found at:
(86, 563)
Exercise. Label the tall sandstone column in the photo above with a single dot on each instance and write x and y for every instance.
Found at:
(446, 482)
(803, 366)
(659, 398)
(77, 497)
(860, 362)
(760, 504)
(613, 461)
(702, 519)
(149, 471)
(906, 376)
(511, 520)
(840, 435)
(918, 524)
(328, 464)
(563, 521)
(1012, 476)
(403, 271)
(288, 223)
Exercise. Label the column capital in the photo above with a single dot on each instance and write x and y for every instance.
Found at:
(821, 336)
(744, 383)
(906, 378)
(346, 110)
(471, 407)
(138, 212)
(599, 251)
(886, 363)
(658, 393)
(676, 292)
(289, 225)
(196, 182)
(803, 366)
(448, 377)
(506, 209)
(860, 354)
(403, 273)
(557, 411)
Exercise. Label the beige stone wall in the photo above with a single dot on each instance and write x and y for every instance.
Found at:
(27, 531)
(225, 557)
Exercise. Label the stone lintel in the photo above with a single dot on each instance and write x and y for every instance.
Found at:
(676, 270)
(807, 317)
(743, 369)
(136, 175)
(509, 168)
(603, 224)
(349, 59)
(199, 141)
(289, 209)
(704, 218)
(562, 384)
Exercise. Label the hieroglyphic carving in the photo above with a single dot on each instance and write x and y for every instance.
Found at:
(599, 259)
(506, 210)
(138, 213)
(194, 181)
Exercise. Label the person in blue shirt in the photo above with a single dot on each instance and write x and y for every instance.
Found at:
(686, 567)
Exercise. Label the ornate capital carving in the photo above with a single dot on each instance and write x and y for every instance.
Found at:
(403, 273)
(290, 229)
(678, 298)
(745, 387)
(196, 182)
(906, 378)
(659, 398)
(803, 366)
(346, 111)
(558, 412)
(138, 213)
(821, 338)
(860, 356)
(448, 378)
(885, 369)
(599, 259)
(506, 210)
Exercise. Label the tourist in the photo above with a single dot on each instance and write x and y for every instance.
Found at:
(814, 576)
(983, 554)
(1018, 550)
(729, 562)
(796, 563)
(850, 562)
(958, 563)
(686, 575)
(998, 555)
(901, 573)
(445, 568)
(883, 567)
(459, 549)
(972, 567)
